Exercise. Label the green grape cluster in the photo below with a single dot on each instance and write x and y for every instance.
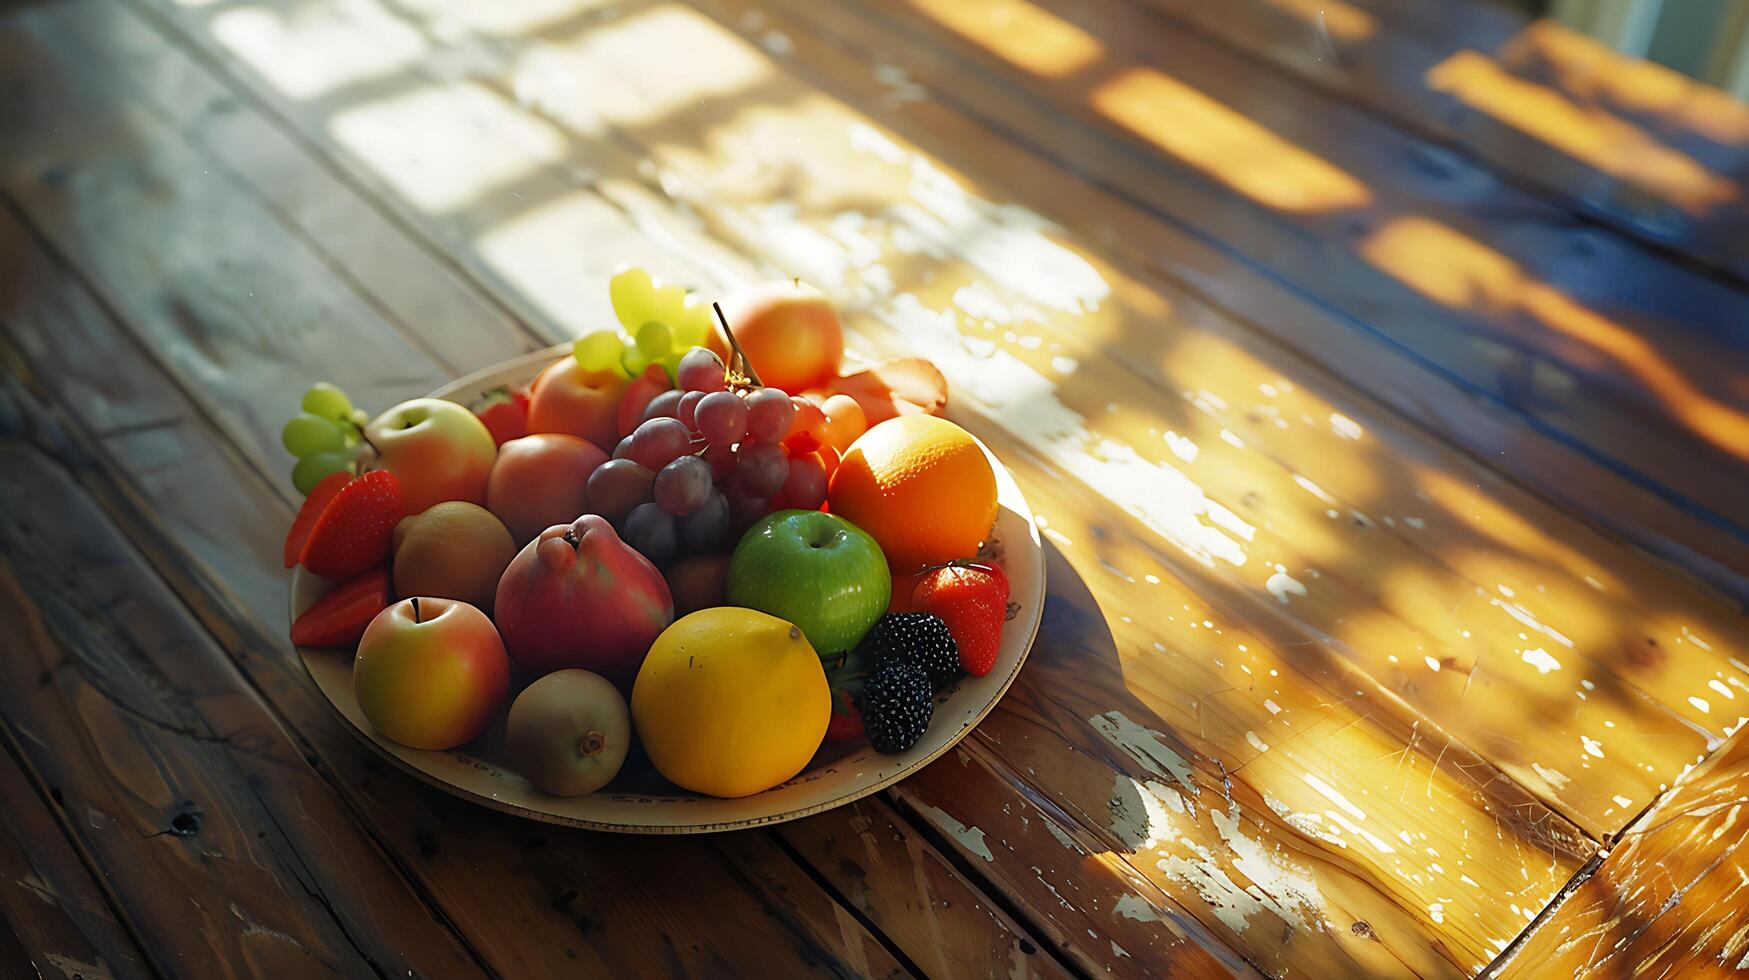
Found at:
(326, 436)
(659, 325)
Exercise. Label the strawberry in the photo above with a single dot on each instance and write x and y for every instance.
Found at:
(846, 721)
(338, 619)
(314, 504)
(505, 413)
(973, 600)
(354, 530)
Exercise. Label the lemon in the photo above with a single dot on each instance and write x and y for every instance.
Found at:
(730, 702)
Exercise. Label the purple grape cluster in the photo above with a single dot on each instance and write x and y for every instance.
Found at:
(707, 461)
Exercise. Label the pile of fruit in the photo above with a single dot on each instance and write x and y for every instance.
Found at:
(817, 533)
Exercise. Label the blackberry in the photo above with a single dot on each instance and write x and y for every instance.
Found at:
(896, 704)
(921, 639)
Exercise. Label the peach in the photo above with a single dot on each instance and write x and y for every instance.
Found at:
(430, 673)
(453, 550)
(789, 332)
(540, 480)
(565, 398)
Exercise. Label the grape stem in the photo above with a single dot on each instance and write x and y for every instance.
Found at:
(740, 355)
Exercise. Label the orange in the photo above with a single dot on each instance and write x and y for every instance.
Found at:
(920, 486)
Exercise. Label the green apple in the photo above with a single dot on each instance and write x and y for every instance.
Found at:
(820, 572)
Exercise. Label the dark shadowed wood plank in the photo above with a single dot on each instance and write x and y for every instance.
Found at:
(1478, 281)
(1639, 146)
(226, 853)
(1672, 897)
(59, 916)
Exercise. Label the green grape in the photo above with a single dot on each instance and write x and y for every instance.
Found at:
(633, 362)
(693, 327)
(305, 434)
(672, 363)
(633, 295)
(327, 401)
(358, 418)
(314, 467)
(598, 351)
(668, 304)
(655, 340)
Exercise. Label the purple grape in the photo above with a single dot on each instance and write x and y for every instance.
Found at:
(624, 449)
(707, 528)
(683, 485)
(769, 414)
(650, 531)
(616, 487)
(745, 508)
(664, 405)
(762, 468)
(687, 413)
(658, 442)
(722, 418)
(700, 370)
(805, 487)
(722, 460)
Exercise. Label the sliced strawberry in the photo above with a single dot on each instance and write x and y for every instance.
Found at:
(973, 600)
(907, 386)
(338, 619)
(505, 414)
(355, 529)
(846, 721)
(314, 504)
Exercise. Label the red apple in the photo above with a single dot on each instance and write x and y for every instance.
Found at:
(790, 333)
(539, 481)
(566, 398)
(578, 596)
(430, 673)
(438, 451)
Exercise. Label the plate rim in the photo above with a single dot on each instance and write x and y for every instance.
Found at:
(1034, 614)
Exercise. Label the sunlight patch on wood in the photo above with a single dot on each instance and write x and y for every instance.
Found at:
(1598, 138)
(1226, 145)
(320, 47)
(1021, 33)
(454, 19)
(1344, 21)
(1446, 265)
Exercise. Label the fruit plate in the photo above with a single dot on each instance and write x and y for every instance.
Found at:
(643, 803)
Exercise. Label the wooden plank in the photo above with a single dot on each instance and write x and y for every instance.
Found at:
(1477, 280)
(527, 898)
(1636, 145)
(913, 894)
(238, 570)
(1668, 901)
(224, 850)
(59, 915)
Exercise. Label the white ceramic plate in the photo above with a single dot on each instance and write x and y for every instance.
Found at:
(640, 802)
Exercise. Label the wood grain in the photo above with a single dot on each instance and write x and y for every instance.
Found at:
(1480, 282)
(141, 727)
(59, 915)
(1668, 901)
(1626, 141)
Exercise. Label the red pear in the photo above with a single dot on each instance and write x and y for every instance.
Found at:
(578, 596)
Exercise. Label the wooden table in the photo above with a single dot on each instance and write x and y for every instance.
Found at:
(1377, 370)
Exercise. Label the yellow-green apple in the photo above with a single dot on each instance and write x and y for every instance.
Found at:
(566, 398)
(541, 480)
(430, 672)
(452, 550)
(439, 450)
(578, 596)
(816, 570)
(789, 331)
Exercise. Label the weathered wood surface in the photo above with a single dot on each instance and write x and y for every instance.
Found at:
(1292, 708)
(1641, 147)
(1672, 897)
